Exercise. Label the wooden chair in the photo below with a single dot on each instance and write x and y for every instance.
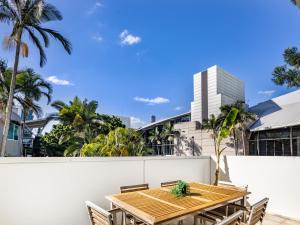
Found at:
(132, 188)
(257, 212)
(168, 183)
(234, 219)
(99, 216)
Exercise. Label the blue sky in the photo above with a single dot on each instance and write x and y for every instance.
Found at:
(137, 57)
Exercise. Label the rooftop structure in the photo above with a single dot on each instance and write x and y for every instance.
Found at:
(282, 111)
(276, 132)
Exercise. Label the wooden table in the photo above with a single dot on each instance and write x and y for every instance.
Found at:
(158, 205)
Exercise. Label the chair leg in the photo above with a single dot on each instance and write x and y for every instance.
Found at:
(195, 220)
(123, 218)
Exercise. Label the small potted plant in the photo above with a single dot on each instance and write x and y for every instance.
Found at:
(181, 189)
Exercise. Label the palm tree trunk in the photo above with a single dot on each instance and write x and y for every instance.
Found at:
(243, 140)
(10, 97)
(217, 172)
(234, 142)
(218, 156)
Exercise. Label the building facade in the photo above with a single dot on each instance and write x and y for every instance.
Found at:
(214, 88)
(14, 139)
(277, 129)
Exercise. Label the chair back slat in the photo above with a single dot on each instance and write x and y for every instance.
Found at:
(234, 219)
(231, 185)
(98, 216)
(132, 188)
(168, 183)
(258, 212)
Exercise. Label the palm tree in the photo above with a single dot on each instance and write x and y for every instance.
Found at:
(27, 16)
(155, 137)
(83, 119)
(223, 132)
(168, 135)
(242, 120)
(212, 124)
(30, 88)
(221, 128)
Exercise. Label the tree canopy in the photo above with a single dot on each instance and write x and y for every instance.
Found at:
(289, 73)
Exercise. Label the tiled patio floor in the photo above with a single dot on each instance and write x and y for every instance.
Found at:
(268, 220)
(276, 220)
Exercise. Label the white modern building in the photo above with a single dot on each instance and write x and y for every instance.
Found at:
(214, 88)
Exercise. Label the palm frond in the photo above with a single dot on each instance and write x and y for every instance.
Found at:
(50, 13)
(65, 42)
(36, 42)
(24, 50)
(58, 105)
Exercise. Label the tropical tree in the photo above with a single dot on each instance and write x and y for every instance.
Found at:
(119, 142)
(223, 132)
(212, 124)
(296, 2)
(289, 73)
(155, 136)
(221, 128)
(85, 123)
(243, 118)
(30, 88)
(51, 140)
(27, 16)
(168, 133)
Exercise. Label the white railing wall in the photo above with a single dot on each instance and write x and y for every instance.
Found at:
(52, 191)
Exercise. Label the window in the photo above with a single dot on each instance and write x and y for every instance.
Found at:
(13, 132)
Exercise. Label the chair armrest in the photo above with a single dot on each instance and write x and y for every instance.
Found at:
(215, 213)
(239, 207)
(115, 210)
(208, 217)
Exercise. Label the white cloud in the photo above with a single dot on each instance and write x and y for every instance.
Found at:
(137, 122)
(94, 8)
(152, 101)
(178, 108)
(57, 81)
(129, 39)
(97, 37)
(267, 93)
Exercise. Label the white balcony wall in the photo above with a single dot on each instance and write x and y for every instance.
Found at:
(274, 177)
(48, 191)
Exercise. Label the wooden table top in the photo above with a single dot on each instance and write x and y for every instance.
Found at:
(158, 205)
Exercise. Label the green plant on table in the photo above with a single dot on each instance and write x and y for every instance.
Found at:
(181, 189)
